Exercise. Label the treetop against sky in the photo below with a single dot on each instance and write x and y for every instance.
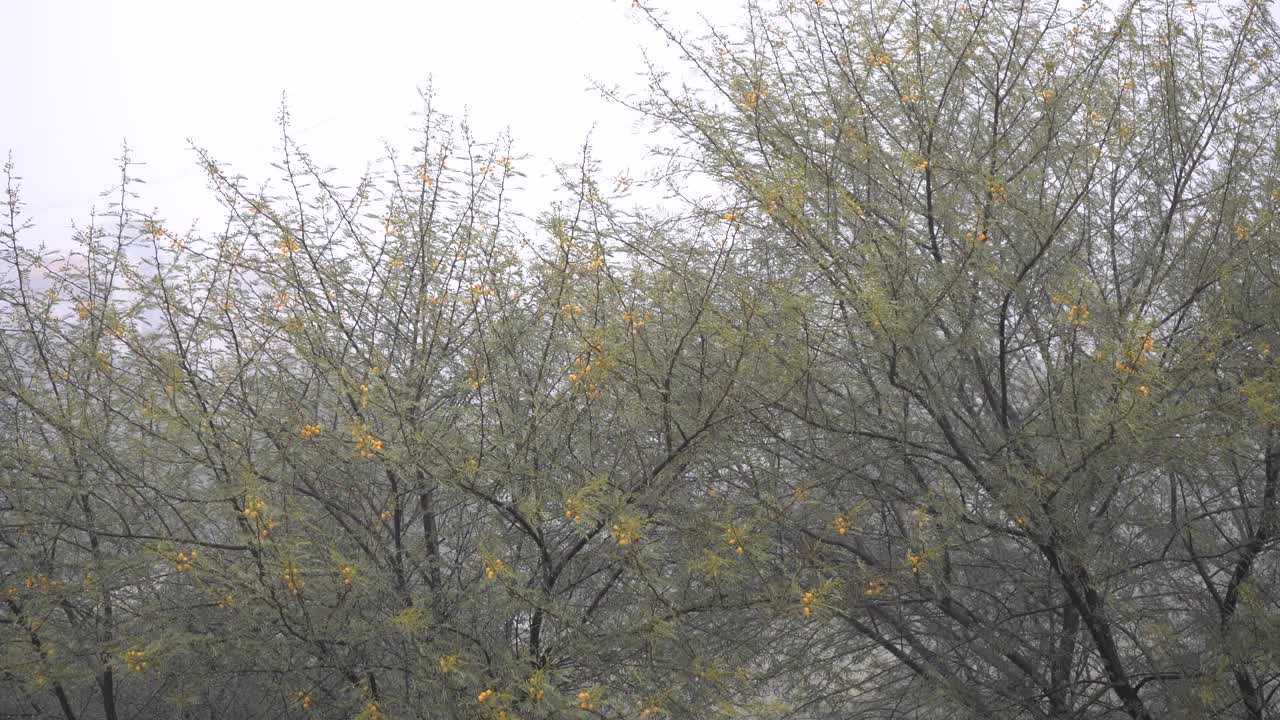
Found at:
(929, 371)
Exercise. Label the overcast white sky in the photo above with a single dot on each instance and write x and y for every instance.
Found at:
(77, 78)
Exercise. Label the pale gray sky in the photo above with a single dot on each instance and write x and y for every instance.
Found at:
(77, 78)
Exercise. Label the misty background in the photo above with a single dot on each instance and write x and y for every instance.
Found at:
(78, 79)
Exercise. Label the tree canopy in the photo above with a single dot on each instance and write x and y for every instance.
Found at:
(957, 396)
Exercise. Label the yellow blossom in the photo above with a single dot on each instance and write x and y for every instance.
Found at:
(732, 535)
(627, 530)
(183, 561)
(136, 659)
(997, 191)
(253, 507)
(535, 687)
(367, 446)
(292, 578)
(914, 562)
(1078, 315)
(921, 516)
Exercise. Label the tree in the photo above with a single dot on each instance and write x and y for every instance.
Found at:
(956, 398)
(1033, 249)
(368, 451)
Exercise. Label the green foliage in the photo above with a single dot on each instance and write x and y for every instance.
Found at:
(958, 401)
